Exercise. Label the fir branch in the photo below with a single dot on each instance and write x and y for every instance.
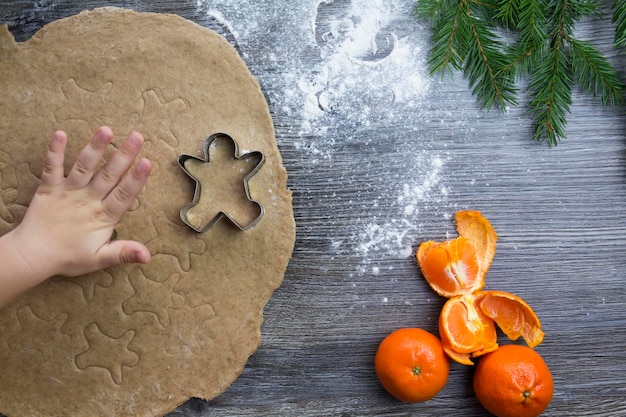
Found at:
(569, 59)
(594, 74)
(508, 12)
(462, 39)
(551, 85)
(483, 66)
(531, 42)
(551, 89)
(430, 9)
(448, 42)
(619, 19)
(581, 8)
(532, 23)
(544, 51)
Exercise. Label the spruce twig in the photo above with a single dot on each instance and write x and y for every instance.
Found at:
(484, 63)
(467, 37)
(530, 21)
(462, 39)
(551, 83)
(594, 73)
(619, 19)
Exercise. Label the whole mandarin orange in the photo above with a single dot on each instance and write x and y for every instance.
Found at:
(513, 381)
(411, 365)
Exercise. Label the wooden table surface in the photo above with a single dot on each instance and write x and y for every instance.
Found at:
(380, 156)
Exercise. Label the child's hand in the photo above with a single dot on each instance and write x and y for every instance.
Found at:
(69, 223)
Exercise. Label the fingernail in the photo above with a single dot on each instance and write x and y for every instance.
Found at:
(135, 139)
(144, 165)
(58, 136)
(104, 134)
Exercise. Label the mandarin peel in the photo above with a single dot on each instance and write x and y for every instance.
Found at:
(456, 269)
(462, 358)
(473, 226)
(512, 315)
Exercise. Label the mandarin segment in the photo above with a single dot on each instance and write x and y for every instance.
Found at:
(462, 358)
(513, 315)
(466, 329)
(451, 268)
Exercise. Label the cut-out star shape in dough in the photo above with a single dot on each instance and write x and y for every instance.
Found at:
(186, 321)
(107, 352)
(89, 282)
(221, 179)
(82, 104)
(32, 326)
(153, 297)
(158, 115)
(172, 239)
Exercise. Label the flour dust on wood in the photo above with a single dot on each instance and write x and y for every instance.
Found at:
(337, 75)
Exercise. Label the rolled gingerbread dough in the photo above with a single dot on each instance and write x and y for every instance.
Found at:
(137, 340)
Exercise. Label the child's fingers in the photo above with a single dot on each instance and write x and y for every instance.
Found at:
(89, 158)
(53, 168)
(119, 200)
(109, 176)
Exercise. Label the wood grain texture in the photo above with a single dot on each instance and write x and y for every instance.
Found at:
(560, 214)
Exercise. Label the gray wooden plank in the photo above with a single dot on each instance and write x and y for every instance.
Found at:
(364, 194)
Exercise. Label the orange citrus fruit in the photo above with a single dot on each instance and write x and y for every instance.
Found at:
(465, 330)
(512, 315)
(513, 381)
(411, 365)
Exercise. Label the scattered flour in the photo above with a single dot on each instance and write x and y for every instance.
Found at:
(364, 66)
(367, 70)
(390, 237)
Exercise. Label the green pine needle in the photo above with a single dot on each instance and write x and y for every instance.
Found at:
(468, 37)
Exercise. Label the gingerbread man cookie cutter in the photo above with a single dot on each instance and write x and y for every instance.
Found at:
(248, 156)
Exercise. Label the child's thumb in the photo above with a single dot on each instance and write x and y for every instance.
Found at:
(123, 252)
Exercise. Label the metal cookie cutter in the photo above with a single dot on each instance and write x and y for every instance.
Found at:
(198, 188)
